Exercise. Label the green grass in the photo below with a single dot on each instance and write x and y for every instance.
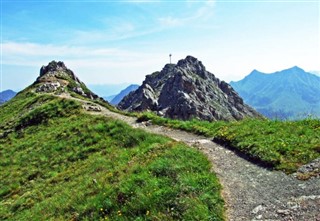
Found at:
(283, 145)
(57, 163)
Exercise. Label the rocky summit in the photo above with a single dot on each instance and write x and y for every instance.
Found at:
(187, 90)
(57, 78)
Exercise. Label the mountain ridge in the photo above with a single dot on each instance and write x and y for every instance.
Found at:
(62, 161)
(57, 78)
(290, 93)
(59, 162)
(187, 90)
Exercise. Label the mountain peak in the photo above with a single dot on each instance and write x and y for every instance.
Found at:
(57, 78)
(287, 94)
(294, 69)
(255, 72)
(56, 69)
(185, 91)
(53, 66)
(6, 95)
(193, 65)
(189, 59)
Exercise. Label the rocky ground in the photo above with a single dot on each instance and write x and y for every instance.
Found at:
(251, 192)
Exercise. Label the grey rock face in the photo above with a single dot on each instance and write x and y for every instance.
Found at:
(92, 107)
(56, 76)
(187, 90)
(311, 169)
(48, 87)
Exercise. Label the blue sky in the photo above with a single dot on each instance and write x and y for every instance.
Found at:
(118, 42)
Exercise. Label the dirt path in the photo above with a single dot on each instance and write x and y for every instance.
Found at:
(250, 192)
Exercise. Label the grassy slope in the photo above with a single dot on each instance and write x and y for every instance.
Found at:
(282, 145)
(62, 164)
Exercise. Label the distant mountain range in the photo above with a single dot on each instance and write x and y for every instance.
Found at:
(108, 91)
(116, 99)
(6, 95)
(109, 98)
(287, 94)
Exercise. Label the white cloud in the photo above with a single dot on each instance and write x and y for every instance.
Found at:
(92, 65)
(15, 53)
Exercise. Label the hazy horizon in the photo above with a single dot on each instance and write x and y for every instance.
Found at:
(107, 42)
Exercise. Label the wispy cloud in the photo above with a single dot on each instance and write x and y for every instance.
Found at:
(15, 53)
(170, 21)
(195, 13)
(117, 31)
(91, 64)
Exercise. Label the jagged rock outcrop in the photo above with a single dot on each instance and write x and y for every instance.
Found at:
(57, 78)
(187, 90)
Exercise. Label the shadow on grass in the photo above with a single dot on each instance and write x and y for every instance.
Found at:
(253, 160)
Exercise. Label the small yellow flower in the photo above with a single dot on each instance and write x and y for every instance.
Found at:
(148, 212)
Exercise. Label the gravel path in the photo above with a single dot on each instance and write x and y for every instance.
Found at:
(250, 192)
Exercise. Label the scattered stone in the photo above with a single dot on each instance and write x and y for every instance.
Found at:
(258, 209)
(79, 90)
(309, 170)
(284, 212)
(92, 107)
(311, 197)
(56, 75)
(310, 167)
(48, 87)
